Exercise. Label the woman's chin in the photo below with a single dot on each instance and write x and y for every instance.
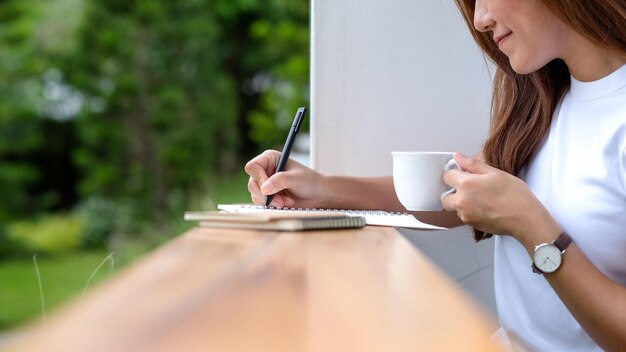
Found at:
(523, 67)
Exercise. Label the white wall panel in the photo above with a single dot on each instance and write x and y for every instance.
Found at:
(393, 75)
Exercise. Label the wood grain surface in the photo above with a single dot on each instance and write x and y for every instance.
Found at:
(232, 290)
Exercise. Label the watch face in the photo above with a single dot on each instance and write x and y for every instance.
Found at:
(547, 257)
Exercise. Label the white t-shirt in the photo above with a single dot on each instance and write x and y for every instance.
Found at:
(579, 174)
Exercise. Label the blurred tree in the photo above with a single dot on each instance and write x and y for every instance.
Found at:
(35, 171)
(170, 90)
(266, 45)
(157, 112)
(16, 139)
(140, 102)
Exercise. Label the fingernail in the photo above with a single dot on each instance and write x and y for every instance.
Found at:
(460, 155)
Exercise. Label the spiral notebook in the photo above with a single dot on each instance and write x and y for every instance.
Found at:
(276, 221)
(372, 217)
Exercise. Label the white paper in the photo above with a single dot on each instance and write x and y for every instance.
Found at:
(372, 217)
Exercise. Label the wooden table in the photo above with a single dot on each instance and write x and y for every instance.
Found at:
(233, 290)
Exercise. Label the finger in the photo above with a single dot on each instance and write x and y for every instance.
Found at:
(288, 202)
(278, 201)
(261, 166)
(254, 188)
(454, 177)
(448, 202)
(275, 183)
(258, 200)
(256, 171)
(471, 165)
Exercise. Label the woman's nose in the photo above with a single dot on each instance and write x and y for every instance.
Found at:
(483, 21)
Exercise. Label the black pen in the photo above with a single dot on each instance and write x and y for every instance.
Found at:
(284, 156)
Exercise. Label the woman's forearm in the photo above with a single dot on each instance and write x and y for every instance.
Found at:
(376, 193)
(597, 302)
(370, 193)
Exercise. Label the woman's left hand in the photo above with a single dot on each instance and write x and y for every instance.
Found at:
(492, 200)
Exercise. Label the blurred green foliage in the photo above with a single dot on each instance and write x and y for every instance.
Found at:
(118, 115)
(102, 218)
(49, 234)
(123, 112)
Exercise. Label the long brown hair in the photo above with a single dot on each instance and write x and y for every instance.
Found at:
(522, 105)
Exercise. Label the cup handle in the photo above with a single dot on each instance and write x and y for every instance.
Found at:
(450, 165)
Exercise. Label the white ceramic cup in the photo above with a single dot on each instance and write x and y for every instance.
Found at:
(418, 178)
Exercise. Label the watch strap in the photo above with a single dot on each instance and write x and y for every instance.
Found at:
(536, 270)
(563, 241)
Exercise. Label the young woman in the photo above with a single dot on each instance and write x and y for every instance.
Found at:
(550, 181)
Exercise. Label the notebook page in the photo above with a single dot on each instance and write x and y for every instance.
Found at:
(372, 217)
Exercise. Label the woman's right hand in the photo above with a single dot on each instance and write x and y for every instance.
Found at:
(297, 186)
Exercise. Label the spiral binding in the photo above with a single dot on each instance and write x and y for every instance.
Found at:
(334, 223)
(345, 211)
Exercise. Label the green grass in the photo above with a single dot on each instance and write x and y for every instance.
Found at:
(63, 277)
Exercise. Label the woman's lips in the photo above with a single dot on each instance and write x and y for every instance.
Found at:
(502, 38)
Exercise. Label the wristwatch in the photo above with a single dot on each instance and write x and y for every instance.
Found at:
(549, 256)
